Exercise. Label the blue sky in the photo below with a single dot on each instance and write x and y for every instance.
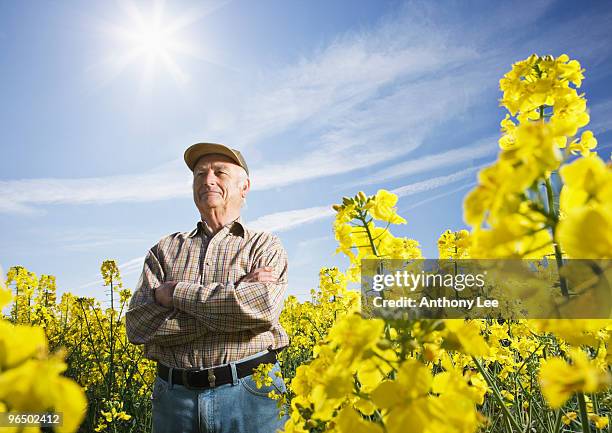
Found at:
(323, 98)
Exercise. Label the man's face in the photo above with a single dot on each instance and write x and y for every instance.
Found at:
(219, 183)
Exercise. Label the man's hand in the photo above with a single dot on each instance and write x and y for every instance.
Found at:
(164, 293)
(262, 275)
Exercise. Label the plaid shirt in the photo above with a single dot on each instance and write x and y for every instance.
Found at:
(214, 320)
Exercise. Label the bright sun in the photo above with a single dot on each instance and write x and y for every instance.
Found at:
(149, 40)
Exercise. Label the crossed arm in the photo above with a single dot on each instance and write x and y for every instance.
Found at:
(170, 313)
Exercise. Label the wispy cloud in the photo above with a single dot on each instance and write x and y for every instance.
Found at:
(364, 88)
(170, 181)
(334, 82)
(306, 250)
(162, 183)
(282, 221)
(87, 239)
(435, 182)
(287, 220)
(436, 197)
(127, 268)
(601, 117)
(483, 148)
(367, 97)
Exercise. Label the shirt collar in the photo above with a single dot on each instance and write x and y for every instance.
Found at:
(236, 227)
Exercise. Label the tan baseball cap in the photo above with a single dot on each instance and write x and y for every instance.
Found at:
(198, 150)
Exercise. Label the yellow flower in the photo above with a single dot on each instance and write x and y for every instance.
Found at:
(343, 236)
(406, 397)
(586, 180)
(507, 395)
(454, 409)
(601, 422)
(5, 295)
(349, 421)
(354, 335)
(36, 386)
(587, 143)
(559, 380)
(465, 337)
(110, 273)
(382, 207)
(454, 245)
(570, 70)
(123, 416)
(495, 195)
(101, 426)
(124, 295)
(569, 417)
(364, 406)
(413, 382)
(586, 233)
(20, 342)
(261, 375)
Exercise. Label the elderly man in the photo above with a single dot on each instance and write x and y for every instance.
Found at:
(207, 306)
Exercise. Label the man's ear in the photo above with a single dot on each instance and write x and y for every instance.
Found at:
(246, 186)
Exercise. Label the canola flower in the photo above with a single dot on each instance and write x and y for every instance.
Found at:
(513, 214)
(111, 372)
(512, 210)
(30, 377)
(559, 379)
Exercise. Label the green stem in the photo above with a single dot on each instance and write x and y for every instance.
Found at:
(361, 218)
(584, 418)
(558, 421)
(555, 218)
(558, 254)
(497, 395)
(112, 345)
(16, 303)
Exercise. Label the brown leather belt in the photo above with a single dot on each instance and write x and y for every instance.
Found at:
(212, 377)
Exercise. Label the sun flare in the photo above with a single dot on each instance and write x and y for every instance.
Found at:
(151, 40)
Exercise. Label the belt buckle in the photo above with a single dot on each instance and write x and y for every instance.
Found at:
(211, 377)
(186, 384)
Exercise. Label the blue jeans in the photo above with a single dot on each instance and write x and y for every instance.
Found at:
(238, 407)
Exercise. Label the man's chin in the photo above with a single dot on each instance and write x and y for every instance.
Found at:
(208, 202)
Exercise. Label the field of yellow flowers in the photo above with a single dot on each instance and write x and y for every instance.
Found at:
(547, 195)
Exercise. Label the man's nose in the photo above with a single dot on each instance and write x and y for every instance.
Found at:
(210, 178)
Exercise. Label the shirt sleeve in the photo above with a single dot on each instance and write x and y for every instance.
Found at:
(243, 306)
(148, 322)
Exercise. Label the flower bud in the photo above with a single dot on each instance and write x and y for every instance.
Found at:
(368, 353)
(384, 344)
(413, 345)
(311, 424)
